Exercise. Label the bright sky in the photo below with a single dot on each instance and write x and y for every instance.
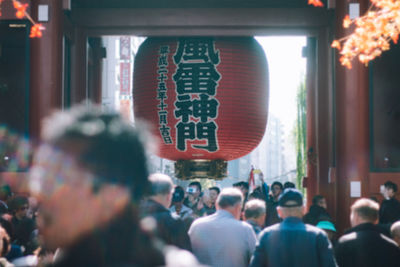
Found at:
(286, 69)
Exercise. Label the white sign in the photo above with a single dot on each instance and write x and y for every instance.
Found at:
(355, 189)
(354, 10)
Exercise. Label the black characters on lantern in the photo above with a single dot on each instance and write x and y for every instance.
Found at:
(196, 48)
(196, 80)
(162, 94)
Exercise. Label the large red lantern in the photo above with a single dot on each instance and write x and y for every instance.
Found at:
(207, 98)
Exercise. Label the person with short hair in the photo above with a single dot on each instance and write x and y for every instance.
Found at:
(389, 211)
(395, 232)
(193, 199)
(364, 244)
(169, 228)
(317, 211)
(288, 184)
(177, 206)
(254, 214)
(214, 192)
(272, 204)
(209, 198)
(221, 239)
(291, 242)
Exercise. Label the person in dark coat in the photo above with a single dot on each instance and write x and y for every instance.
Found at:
(317, 211)
(272, 204)
(364, 244)
(169, 228)
(389, 211)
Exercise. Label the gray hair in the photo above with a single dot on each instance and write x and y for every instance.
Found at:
(366, 209)
(254, 209)
(229, 197)
(161, 184)
(395, 229)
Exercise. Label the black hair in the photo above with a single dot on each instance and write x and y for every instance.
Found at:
(391, 185)
(316, 199)
(215, 188)
(17, 202)
(178, 194)
(195, 183)
(289, 185)
(241, 184)
(278, 184)
(111, 148)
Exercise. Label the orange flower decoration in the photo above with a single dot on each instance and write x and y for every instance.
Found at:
(336, 44)
(316, 3)
(0, 6)
(347, 21)
(36, 31)
(373, 33)
(21, 9)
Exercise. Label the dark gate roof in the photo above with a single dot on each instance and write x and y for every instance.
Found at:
(191, 3)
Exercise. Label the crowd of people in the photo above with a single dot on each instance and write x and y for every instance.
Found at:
(92, 202)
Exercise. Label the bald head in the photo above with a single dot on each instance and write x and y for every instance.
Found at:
(395, 231)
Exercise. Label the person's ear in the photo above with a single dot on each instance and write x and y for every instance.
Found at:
(279, 210)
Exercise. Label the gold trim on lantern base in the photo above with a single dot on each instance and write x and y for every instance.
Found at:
(200, 168)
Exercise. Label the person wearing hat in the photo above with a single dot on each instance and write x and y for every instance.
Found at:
(291, 242)
(177, 207)
(329, 229)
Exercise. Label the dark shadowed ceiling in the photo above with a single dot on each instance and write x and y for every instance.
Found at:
(190, 3)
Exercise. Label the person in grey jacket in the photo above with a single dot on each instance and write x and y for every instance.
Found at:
(292, 243)
(220, 239)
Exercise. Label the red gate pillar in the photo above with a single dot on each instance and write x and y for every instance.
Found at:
(352, 125)
(311, 144)
(46, 65)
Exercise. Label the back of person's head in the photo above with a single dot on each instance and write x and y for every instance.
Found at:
(289, 185)
(161, 184)
(254, 208)
(391, 185)
(256, 194)
(395, 232)
(290, 203)
(366, 209)
(245, 185)
(197, 184)
(316, 199)
(229, 197)
(104, 143)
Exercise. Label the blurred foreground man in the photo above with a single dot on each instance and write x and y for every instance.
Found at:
(292, 243)
(364, 244)
(89, 176)
(220, 239)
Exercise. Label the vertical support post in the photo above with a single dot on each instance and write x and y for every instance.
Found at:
(311, 144)
(46, 65)
(352, 129)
